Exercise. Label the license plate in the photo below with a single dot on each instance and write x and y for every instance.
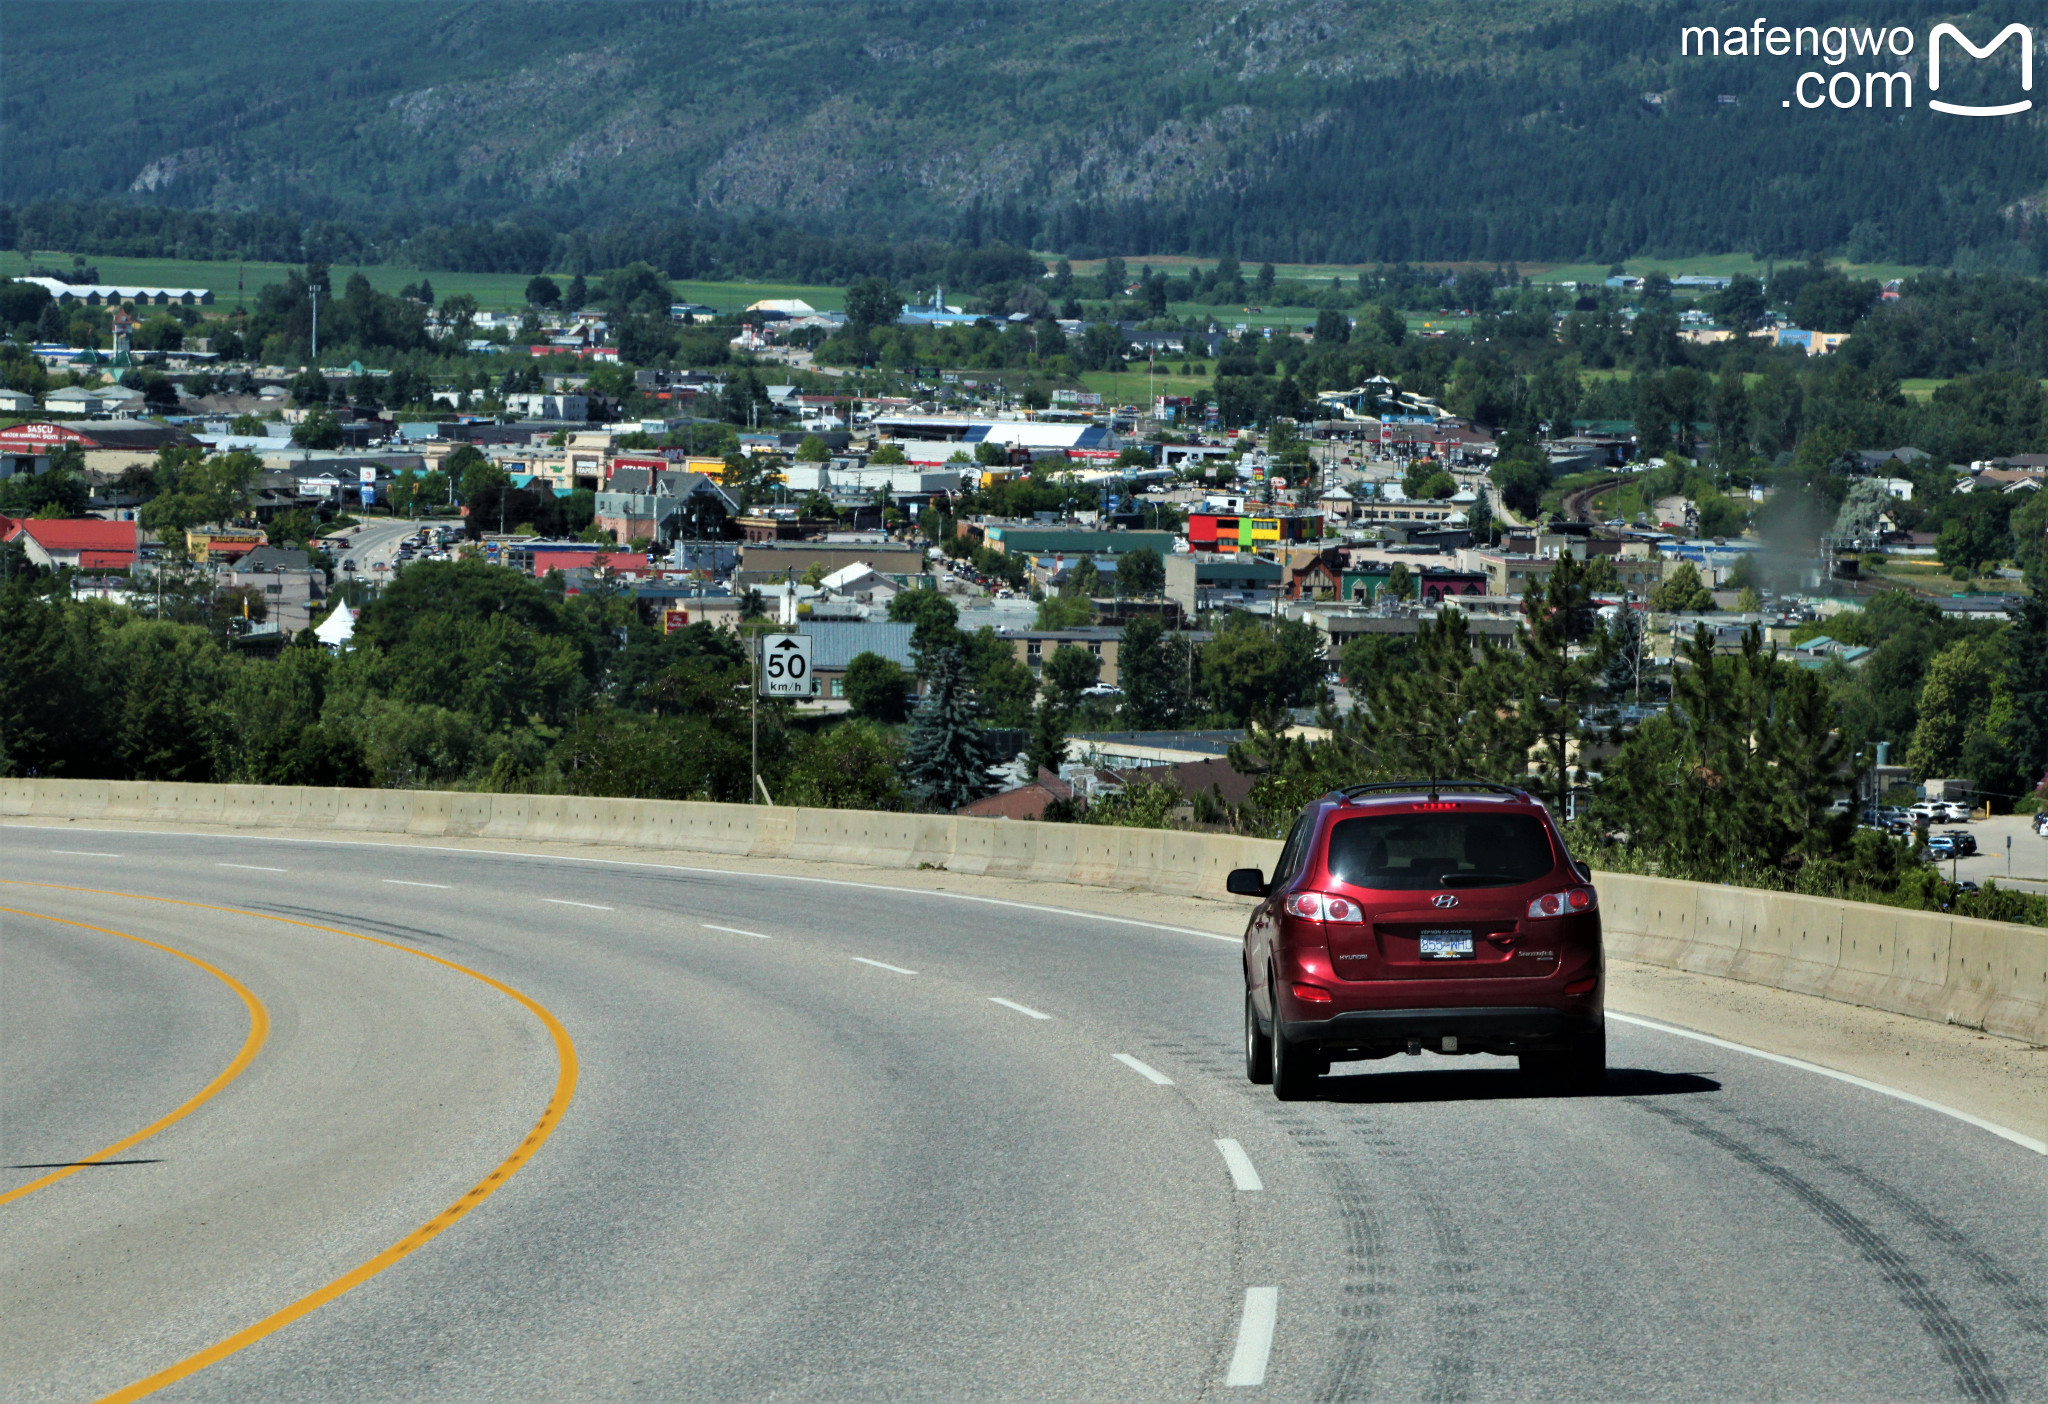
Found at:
(1446, 945)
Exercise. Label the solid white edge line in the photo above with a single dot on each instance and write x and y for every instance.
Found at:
(1242, 1173)
(590, 906)
(658, 867)
(884, 965)
(2018, 1138)
(1024, 1009)
(734, 930)
(252, 868)
(1144, 1070)
(401, 882)
(82, 853)
(1254, 1338)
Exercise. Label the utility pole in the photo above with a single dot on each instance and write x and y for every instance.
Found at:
(315, 291)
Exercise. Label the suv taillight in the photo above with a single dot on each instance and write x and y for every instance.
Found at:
(1321, 906)
(1567, 903)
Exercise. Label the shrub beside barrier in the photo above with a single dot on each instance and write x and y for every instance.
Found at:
(1986, 974)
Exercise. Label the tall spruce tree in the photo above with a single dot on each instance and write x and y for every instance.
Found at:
(1733, 782)
(946, 762)
(1154, 669)
(1555, 683)
(1449, 713)
(1047, 747)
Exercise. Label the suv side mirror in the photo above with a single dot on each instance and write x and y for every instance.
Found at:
(1245, 882)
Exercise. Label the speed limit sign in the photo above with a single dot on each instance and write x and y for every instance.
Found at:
(786, 665)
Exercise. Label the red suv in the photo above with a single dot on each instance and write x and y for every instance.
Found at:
(1445, 916)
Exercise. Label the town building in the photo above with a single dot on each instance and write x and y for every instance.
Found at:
(109, 445)
(836, 643)
(1205, 580)
(294, 590)
(1034, 646)
(82, 544)
(662, 505)
(1229, 530)
(780, 559)
(98, 294)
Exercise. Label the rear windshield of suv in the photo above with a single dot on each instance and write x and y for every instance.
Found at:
(1407, 852)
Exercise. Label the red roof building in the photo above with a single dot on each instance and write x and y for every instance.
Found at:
(618, 561)
(82, 543)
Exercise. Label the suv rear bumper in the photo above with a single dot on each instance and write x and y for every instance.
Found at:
(1375, 1033)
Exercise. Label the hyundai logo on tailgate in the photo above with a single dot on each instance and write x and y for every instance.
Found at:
(1444, 899)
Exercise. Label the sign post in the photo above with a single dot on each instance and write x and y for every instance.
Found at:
(782, 668)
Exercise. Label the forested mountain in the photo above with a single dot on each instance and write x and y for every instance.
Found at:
(484, 135)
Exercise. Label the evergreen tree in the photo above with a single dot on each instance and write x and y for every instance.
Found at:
(1153, 668)
(1627, 654)
(1554, 683)
(1448, 713)
(1733, 782)
(1048, 746)
(946, 762)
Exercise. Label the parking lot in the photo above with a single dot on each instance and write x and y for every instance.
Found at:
(2027, 856)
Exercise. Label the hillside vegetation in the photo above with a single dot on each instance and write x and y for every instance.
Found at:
(493, 136)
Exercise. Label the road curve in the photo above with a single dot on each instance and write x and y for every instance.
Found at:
(839, 1141)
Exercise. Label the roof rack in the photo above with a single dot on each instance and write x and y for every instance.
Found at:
(1434, 786)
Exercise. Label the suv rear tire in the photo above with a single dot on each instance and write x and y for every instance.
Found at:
(1294, 1068)
(1258, 1046)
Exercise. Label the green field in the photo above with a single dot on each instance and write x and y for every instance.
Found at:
(492, 291)
(1131, 387)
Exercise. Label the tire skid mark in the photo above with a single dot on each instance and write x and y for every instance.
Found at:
(1379, 1237)
(1976, 1377)
(2028, 1309)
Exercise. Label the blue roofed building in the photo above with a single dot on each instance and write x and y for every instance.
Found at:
(836, 643)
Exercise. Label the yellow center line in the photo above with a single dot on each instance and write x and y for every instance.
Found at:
(259, 1029)
(558, 1105)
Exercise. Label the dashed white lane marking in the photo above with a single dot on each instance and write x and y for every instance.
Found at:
(1242, 1173)
(2018, 1138)
(1069, 912)
(884, 965)
(757, 935)
(1023, 1009)
(252, 867)
(588, 906)
(1254, 1337)
(401, 882)
(1144, 1070)
(83, 853)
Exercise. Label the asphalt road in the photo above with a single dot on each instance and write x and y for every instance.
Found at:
(810, 1140)
(375, 543)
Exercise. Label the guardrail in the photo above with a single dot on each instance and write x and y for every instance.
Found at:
(1986, 974)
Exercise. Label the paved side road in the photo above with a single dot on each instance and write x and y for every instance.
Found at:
(848, 1141)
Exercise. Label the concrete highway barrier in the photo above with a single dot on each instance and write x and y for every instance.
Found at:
(1989, 975)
